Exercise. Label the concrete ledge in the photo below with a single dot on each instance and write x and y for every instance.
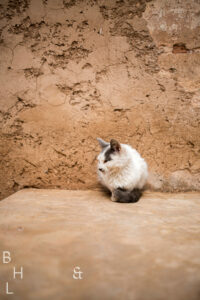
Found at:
(144, 251)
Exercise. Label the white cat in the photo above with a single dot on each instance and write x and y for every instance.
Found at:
(122, 170)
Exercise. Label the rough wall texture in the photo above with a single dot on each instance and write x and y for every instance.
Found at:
(73, 70)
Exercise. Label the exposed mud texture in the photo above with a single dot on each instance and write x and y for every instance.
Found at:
(74, 70)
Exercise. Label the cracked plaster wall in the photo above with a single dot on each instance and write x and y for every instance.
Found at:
(73, 70)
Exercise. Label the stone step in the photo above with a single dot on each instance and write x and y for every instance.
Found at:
(139, 251)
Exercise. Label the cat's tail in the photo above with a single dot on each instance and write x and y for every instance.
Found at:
(123, 196)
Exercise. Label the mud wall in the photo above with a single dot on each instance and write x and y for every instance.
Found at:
(73, 70)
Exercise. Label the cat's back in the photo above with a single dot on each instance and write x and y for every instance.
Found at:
(135, 156)
(138, 169)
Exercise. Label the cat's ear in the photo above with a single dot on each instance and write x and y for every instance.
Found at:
(114, 145)
(102, 143)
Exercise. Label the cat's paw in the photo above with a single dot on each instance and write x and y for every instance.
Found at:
(113, 198)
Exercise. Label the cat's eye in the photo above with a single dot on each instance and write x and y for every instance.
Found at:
(105, 161)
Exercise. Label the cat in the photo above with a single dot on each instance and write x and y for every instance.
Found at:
(122, 171)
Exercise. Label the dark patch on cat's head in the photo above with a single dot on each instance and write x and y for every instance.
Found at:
(108, 155)
(114, 147)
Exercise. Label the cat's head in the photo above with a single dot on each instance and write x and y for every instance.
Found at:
(111, 157)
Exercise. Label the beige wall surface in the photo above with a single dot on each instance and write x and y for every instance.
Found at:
(71, 71)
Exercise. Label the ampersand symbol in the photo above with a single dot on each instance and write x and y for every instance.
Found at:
(77, 273)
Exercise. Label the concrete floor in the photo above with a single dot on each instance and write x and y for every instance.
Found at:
(144, 251)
